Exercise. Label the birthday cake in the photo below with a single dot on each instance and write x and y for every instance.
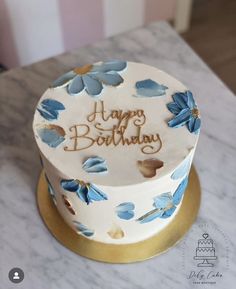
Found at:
(116, 140)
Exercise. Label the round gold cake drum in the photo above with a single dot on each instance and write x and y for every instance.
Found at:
(125, 253)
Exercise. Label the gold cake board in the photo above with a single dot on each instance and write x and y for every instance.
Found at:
(124, 253)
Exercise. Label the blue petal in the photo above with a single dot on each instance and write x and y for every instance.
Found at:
(83, 229)
(150, 216)
(109, 78)
(48, 116)
(183, 169)
(80, 226)
(95, 165)
(49, 108)
(168, 213)
(113, 65)
(127, 206)
(162, 201)
(180, 99)
(125, 215)
(70, 185)
(76, 85)
(197, 126)
(97, 169)
(191, 124)
(190, 101)
(82, 193)
(125, 210)
(86, 192)
(52, 104)
(149, 88)
(52, 112)
(178, 194)
(64, 79)
(94, 194)
(194, 124)
(182, 118)
(93, 86)
(88, 233)
(173, 107)
(51, 135)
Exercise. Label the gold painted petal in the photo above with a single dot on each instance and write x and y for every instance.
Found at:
(116, 232)
(68, 204)
(51, 134)
(57, 128)
(148, 167)
(83, 69)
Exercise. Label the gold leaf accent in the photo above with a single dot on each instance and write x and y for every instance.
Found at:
(68, 204)
(148, 214)
(116, 232)
(57, 128)
(148, 167)
(83, 69)
(195, 112)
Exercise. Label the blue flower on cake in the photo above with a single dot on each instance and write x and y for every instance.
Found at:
(185, 110)
(92, 78)
(165, 204)
(87, 192)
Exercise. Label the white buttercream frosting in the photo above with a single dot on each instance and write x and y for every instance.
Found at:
(121, 179)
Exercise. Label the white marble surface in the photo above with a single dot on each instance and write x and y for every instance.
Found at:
(24, 240)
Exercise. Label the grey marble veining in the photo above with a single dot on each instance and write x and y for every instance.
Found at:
(24, 240)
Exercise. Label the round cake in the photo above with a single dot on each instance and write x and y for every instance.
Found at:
(117, 141)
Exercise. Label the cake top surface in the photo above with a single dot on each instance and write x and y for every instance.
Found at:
(116, 123)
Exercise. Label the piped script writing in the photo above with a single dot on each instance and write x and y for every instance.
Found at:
(114, 135)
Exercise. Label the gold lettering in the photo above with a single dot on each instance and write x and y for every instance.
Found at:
(77, 136)
(116, 134)
(91, 117)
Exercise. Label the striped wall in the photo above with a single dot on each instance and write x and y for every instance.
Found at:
(81, 22)
(35, 28)
(31, 30)
(122, 15)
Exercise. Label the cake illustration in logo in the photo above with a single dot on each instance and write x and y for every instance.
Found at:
(205, 251)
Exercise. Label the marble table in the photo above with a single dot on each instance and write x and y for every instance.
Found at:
(25, 242)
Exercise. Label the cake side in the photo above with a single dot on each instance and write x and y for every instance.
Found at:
(128, 214)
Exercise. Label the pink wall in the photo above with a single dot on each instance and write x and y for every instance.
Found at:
(159, 10)
(81, 22)
(8, 54)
